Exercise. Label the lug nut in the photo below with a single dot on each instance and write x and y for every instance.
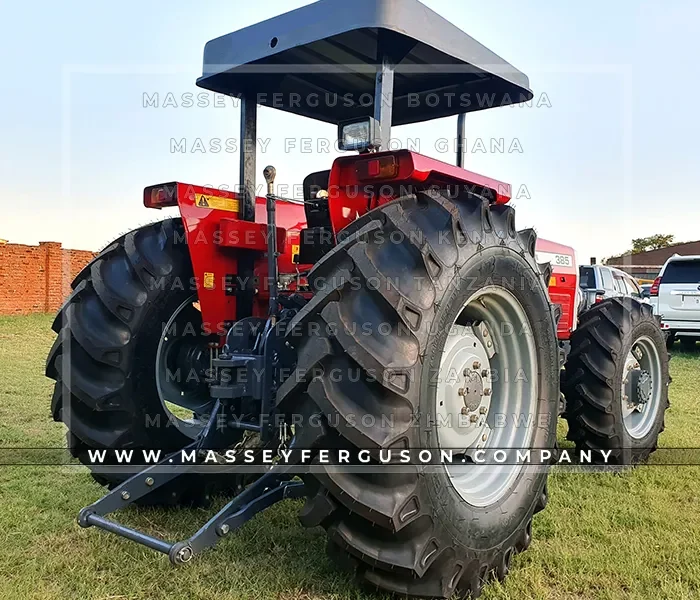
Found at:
(482, 410)
(125, 495)
(464, 411)
(477, 365)
(465, 372)
(473, 418)
(487, 392)
(460, 391)
(484, 373)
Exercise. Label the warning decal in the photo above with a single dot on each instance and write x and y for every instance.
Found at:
(209, 281)
(216, 202)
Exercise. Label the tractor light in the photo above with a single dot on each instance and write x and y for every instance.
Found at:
(358, 134)
(158, 196)
(384, 167)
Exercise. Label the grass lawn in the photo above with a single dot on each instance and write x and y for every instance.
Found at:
(607, 536)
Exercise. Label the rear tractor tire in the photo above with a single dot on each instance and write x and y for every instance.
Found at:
(616, 381)
(130, 323)
(424, 313)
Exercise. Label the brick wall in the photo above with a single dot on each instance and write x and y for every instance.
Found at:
(37, 278)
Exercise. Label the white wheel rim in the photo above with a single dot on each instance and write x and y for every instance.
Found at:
(490, 348)
(641, 398)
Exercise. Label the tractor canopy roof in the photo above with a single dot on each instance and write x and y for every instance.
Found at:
(321, 60)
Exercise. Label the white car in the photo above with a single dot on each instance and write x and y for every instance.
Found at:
(675, 296)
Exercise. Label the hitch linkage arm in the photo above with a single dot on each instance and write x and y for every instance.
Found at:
(273, 486)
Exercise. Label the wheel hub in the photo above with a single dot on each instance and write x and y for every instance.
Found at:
(473, 391)
(464, 398)
(639, 388)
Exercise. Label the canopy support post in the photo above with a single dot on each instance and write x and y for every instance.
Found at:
(383, 98)
(461, 139)
(246, 286)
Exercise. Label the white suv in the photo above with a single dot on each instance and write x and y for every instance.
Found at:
(675, 296)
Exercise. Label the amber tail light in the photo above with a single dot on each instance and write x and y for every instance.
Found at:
(158, 196)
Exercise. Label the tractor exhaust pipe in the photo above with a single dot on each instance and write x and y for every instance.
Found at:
(269, 173)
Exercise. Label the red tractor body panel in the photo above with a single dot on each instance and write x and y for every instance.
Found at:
(563, 283)
(215, 237)
(215, 234)
(362, 182)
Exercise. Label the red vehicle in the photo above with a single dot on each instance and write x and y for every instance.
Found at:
(562, 284)
(397, 308)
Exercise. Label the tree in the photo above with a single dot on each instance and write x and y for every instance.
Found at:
(653, 242)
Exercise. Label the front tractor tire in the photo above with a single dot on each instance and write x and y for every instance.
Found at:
(616, 382)
(120, 332)
(416, 289)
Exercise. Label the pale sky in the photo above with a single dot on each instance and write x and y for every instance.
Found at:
(610, 154)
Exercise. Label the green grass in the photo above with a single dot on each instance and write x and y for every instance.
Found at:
(607, 536)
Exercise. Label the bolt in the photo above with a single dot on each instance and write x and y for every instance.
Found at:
(460, 391)
(465, 372)
(185, 554)
(483, 437)
(484, 373)
(125, 495)
(487, 392)
(486, 333)
(149, 481)
(482, 410)
(477, 365)
(473, 418)
(489, 344)
(465, 411)
(224, 529)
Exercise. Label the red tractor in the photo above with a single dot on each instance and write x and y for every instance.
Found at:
(397, 308)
